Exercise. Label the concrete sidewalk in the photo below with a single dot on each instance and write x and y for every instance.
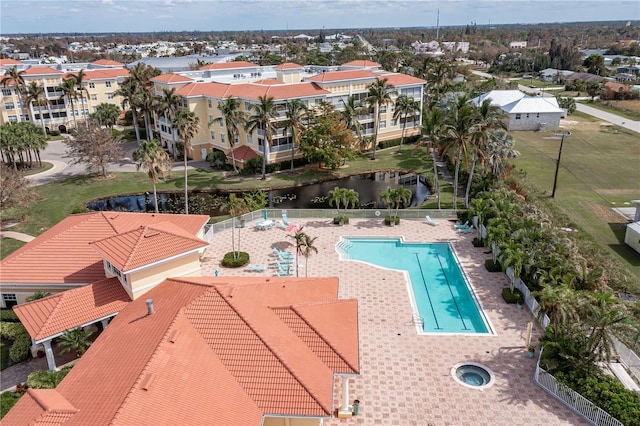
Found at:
(16, 236)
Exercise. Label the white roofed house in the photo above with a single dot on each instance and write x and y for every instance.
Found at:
(524, 112)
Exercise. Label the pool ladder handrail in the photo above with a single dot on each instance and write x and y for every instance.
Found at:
(416, 319)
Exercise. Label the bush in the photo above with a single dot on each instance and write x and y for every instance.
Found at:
(396, 142)
(492, 266)
(4, 356)
(389, 219)
(229, 262)
(46, 379)
(7, 401)
(8, 315)
(254, 166)
(341, 218)
(21, 340)
(477, 242)
(512, 297)
(54, 133)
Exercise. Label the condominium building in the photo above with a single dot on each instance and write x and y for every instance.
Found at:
(101, 81)
(204, 89)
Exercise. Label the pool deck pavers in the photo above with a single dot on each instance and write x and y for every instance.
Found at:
(404, 377)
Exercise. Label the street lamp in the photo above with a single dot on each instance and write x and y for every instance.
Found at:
(555, 178)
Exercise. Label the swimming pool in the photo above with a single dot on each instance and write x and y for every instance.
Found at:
(440, 292)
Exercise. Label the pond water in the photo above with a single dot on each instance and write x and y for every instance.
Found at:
(314, 196)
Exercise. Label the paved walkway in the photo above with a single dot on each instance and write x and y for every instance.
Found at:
(405, 377)
(16, 236)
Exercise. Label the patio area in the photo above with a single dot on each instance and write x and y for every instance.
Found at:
(405, 378)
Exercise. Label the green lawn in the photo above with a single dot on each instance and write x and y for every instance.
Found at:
(78, 191)
(598, 171)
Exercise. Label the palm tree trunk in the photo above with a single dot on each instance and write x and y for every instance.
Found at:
(155, 196)
(455, 182)
(135, 124)
(293, 147)
(466, 194)
(73, 112)
(147, 125)
(86, 118)
(233, 237)
(186, 188)
(265, 152)
(404, 126)
(375, 131)
(44, 128)
(435, 173)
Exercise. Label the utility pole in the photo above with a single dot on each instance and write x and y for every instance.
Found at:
(555, 179)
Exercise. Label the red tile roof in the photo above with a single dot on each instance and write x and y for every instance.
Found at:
(215, 348)
(103, 74)
(107, 62)
(229, 65)
(60, 312)
(171, 78)
(244, 153)
(342, 76)
(251, 90)
(41, 71)
(147, 245)
(63, 255)
(288, 66)
(9, 61)
(398, 79)
(41, 407)
(268, 81)
(362, 63)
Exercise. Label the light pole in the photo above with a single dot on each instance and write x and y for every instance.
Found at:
(555, 178)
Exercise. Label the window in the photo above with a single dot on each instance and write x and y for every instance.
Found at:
(222, 138)
(12, 118)
(527, 115)
(394, 122)
(538, 115)
(94, 97)
(9, 105)
(249, 139)
(383, 109)
(518, 116)
(393, 108)
(247, 106)
(221, 122)
(9, 300)
(109, 95)
(107, 84)
(209, 104)
(213, 135)
(92, 85)
(6, 92)
(383, 124)
(210, 118)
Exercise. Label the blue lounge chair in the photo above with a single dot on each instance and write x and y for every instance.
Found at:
(285, 270)
(284, 255)
(462, 225)
(256, 268)
(431, 221)
(466, 230)
(285, 219)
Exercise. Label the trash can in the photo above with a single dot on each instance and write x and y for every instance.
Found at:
(356, 407)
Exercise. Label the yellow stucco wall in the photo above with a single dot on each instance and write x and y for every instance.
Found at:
(287, 421)
(174, 268)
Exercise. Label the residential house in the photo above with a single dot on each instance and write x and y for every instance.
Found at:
(632, 233)
(524, 112)
(518, 45)
(555, 75)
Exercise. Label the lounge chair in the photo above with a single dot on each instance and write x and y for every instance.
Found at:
(285, 219)
(285, 270)
(284, 255)
(256, 268)
(462, 225)
(466, 230)
(282, 225)
(431, 221)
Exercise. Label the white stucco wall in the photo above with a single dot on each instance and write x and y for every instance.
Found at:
(533, 121)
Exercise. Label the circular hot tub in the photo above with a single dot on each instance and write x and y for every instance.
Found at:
(472, 375)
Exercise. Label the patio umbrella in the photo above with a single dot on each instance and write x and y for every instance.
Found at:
(292, 228)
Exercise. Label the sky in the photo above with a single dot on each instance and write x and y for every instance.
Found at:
(96, 16)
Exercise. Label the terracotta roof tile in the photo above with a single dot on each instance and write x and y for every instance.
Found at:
(9, 61)
(398, 79)
(268, 81)
(146, 245)
(219, 336)
(251, 91)
(288, 66)
(229, 65)
(45, 407)
(171, 78)
(244, 153)
(62, 254)
(362, 63)
(330, 76)
(41, 71)
(108, 62)
(60, 312)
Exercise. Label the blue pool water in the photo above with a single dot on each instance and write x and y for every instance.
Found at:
(443, 298)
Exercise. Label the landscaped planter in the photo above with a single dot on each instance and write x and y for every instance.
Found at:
(392, 220)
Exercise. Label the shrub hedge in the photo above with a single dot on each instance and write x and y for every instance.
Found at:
(492, 266)
(8, 315)
(21, 340)
(7, 401)
(395, 219)
(341, 218)
(514, 296)
(46, 379)
(229, 262)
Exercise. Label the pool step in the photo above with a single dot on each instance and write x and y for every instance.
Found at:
(343, 247)
(416, 319)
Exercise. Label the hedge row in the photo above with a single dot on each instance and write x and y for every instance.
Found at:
(21, 340)
(8, 315)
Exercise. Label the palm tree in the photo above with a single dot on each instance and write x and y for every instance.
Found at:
(233, 118)
(457, 137)
(296, 112)
(35, 94)
(128, 91)
(351, 116)
(498, 151)
(432, 129)
(299, 236)
(235, 206)
(68, 89)
(480, 207)
(264, 112)
(512, 255)
(394, 198)
(167, 104)
(558, 302)
(604, 315)
(81, 91)
(13, 77)
(76, 340)
(379, 94)
(405, 107)
(106, 114)
(307, 250)
(187, 124)
(151, 157)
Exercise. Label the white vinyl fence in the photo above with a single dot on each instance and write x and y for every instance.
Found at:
(627, 357)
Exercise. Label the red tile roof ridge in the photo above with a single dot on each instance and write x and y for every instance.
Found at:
(262, 339)
(52, 401)
(295, 308)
